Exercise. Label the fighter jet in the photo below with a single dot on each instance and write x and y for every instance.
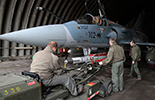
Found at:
(88, 32)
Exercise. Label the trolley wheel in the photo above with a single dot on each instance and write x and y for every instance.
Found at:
(102, 91)
(108, 86)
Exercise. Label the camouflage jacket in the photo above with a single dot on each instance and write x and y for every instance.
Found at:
(135, 52)
(115, 54)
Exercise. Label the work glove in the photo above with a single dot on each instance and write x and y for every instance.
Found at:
(101, 63)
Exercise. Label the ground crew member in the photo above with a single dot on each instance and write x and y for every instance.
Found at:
(45, 64)
(135, 54)
(117, 57)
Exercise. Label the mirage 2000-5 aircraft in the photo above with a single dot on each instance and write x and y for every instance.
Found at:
(88, 32)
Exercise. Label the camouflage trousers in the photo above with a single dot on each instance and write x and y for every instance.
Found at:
(134, 67)
(117, 76)
(65, 80)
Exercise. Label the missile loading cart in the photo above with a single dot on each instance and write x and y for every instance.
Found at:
(27, 86)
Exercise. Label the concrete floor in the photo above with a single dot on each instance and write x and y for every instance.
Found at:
(133, 89)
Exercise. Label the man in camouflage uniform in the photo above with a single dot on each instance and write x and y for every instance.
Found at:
(117, 57)
(135, 55)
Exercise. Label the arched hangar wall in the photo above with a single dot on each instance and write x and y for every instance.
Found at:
(21, 14)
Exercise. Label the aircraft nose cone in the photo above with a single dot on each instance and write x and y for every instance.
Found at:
(38, 36)
(112, 35)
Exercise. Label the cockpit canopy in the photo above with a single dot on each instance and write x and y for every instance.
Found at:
(90, 19)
